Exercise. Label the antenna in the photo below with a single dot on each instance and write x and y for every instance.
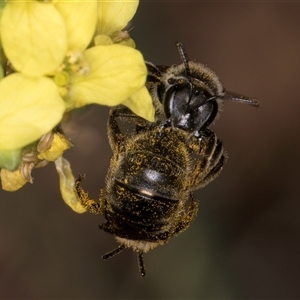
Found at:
(184, 57)
(185, 60)
(240, 98)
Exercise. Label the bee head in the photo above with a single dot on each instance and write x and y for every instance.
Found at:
(192, 94)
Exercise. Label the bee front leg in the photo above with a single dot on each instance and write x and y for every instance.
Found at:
(90, 205)
(212, 157)
(116, 136)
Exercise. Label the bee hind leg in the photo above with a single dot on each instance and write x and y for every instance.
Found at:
(89, 204)
(113, 252)
(141, 264)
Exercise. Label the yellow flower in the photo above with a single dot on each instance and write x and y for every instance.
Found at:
(112, 19)
(12, 181)
(49, 148)
(29, 107)
(46, 44)
(57, 148)
(67, 185)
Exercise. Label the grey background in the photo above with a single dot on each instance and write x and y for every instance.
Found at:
(245, 241)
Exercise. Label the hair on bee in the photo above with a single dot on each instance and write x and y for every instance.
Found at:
(156, 167)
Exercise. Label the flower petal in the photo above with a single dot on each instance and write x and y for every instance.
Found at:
(114, 15)
(34, 36)
(12, 181)
(29, 107)
(116, 73)
(67, 185)
(58, 147)
(141, 104)
(80, 19)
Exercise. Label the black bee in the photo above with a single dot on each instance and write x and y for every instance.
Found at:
(157, 166)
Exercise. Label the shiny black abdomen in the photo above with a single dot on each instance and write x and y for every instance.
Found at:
(147, 188)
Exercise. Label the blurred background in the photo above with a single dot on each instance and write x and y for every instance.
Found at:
(245, 241)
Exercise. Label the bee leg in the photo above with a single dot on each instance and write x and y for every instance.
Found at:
(113, 252)
(141, 264)
(188, 216)
(212, 158)
(89, 204)
(115, 135)
(216, 157)
(113, 130)
(215, 171)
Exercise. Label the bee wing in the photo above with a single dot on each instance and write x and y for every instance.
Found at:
(240, 98)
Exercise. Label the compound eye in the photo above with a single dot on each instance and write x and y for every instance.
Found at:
(206, 94)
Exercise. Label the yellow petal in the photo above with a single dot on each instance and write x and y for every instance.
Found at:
(116, 72)
(102, 39)
(12, 181)
(1, 72)
(80, 19)
(114, 15)
(2, 4)
(67, 185)
(34, 36)
(141, 104)
(29, 107)
(58, 147)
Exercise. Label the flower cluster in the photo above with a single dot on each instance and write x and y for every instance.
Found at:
(57, 56)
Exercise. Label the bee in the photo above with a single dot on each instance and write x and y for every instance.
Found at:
(156, 167)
